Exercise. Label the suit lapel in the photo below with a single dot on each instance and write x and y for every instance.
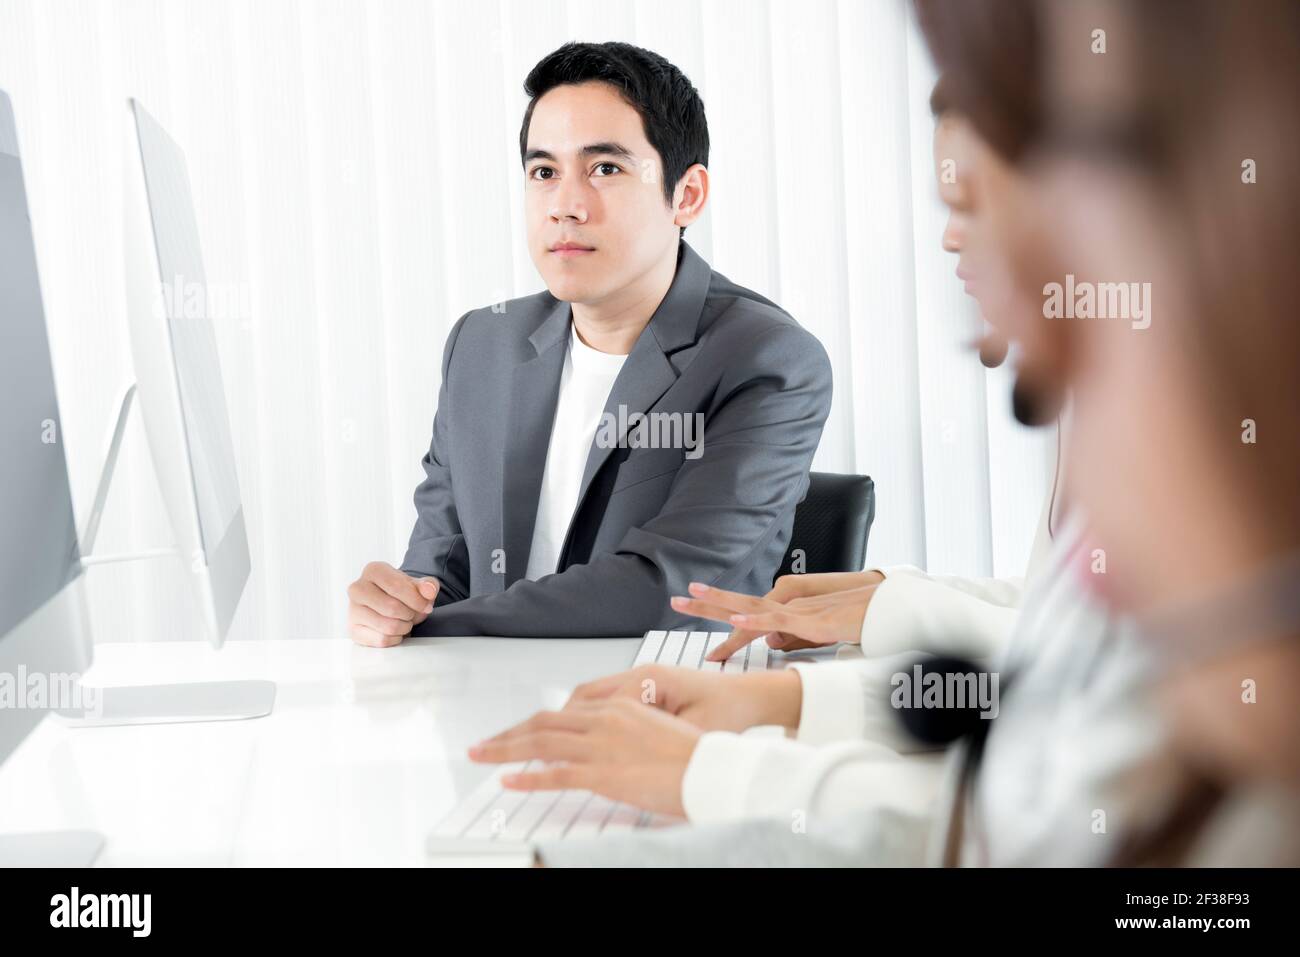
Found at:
(647, 375)
(534, 394)
(648, 372)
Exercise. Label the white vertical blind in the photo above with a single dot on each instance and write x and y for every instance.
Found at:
(355, 168)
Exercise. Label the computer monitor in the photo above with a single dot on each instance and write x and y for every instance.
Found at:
(45, 642)
(181, 394)
(42, 616)
(182, 399)
(183, 403)
(44, 636)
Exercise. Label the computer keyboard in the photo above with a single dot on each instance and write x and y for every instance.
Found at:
(687, 649)
(492, 819)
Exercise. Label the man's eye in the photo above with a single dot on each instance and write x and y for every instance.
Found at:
(541, 172)
(606, 169)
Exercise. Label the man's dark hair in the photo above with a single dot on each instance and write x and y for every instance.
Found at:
(671, 110)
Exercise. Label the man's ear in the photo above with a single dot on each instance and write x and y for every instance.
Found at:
(690, 196)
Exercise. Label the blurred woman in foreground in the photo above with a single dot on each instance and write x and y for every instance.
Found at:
(1173, 160)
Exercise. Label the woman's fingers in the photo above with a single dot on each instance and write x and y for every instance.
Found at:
(738, 639)
(536, 745)
(562, 777)
(790, 643)
(700, 609)
(727, 599)
(788, 625)
(599, 689)
(573, 721)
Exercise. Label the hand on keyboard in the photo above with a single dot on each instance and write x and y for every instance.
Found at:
(606, 740)
(618, 748)
(824, 619)
(491, 819)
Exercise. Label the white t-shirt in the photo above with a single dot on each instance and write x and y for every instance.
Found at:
(585, 382)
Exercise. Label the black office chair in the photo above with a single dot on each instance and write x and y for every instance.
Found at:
(832, 523)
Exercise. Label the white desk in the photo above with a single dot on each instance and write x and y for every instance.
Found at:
(363, 754)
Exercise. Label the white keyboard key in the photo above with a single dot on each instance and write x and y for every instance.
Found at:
(528, 815)
(715, 639)
(624, 818)
(496, 818)
(650, 645)
(560, 816)
(735, 664)
(591, 818)
(688, 649)
(693, 650)
(672, 649)
(475, 803)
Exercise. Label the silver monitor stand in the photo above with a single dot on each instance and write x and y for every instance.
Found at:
(157, 704)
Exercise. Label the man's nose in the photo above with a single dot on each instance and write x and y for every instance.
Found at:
(569, 206)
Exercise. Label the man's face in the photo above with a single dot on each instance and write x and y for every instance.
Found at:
(597, 216)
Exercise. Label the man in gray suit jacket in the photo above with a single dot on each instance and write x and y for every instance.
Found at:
(643, 424)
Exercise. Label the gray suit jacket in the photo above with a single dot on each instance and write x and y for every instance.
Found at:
(648, 520)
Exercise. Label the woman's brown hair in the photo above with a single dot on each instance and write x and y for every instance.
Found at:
(988, 53)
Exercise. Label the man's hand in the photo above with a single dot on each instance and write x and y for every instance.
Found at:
(384, 604)
(805, 622)
(618, 748)
(710, 701)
